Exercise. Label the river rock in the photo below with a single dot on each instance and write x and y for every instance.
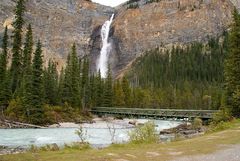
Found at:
(184, 130)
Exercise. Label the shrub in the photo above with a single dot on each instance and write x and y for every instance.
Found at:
(15, 110)
(146, 133)
(219, 126)
(222, 116)
(81, 134)
(197, 123)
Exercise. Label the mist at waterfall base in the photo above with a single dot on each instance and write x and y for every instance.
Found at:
(102, 63)
(112, 3)
(97, 134)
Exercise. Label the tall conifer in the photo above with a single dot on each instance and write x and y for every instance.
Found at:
(232, 67)
(17, 43)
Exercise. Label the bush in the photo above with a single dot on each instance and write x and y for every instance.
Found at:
(146, 133)
(219, 126)
(197, 123)
(223, 115)
(15, 110)
(82, 134)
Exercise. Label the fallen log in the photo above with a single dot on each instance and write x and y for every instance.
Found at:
(14, 124)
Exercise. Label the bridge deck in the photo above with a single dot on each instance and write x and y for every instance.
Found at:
(178, 113)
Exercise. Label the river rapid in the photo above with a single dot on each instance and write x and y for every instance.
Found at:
(97, 134)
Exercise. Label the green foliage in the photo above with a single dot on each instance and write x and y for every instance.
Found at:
(118, 94)
(25, 91)
(219, 126)
(184, 77)
(232, 67)
(81, 134)
(197, 123)
(4, 55)
(126, 92)
(50, 79)
(224, 115)
(35, 113)
(78, 146)
(16, 66)
(5, 90)
(15, 110)
(108, 90)
(144, 134)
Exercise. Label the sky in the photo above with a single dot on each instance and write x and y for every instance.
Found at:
(112, 3)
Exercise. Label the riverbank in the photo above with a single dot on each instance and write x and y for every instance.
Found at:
(100, 133)
(202, 146)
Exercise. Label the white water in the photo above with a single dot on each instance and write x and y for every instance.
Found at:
(106, 48)
(97, 134)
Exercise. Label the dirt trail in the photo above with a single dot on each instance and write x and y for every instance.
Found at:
(232, 153)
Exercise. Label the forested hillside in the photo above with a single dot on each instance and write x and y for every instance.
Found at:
(183, 77)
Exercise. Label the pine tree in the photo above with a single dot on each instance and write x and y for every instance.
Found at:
(26, 81)
(50, 78)
(60, 87)
(232, 67)
(36, 113)
(126, 91)
(108, 91)
(4, 56)
(67, 88)
(85, 82)
(5, 92)
(27, 51)
(76, 99)
(92, 91)
(17, 43)
(99, 90)
(118, 94)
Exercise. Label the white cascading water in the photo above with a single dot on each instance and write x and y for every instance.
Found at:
(102, 64)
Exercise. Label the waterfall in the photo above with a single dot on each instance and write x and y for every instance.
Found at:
(102, 64)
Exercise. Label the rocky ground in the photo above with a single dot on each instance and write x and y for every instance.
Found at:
(185, 130)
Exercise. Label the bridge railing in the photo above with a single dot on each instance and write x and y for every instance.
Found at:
(207, 114)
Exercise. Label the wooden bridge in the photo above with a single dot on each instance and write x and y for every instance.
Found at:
(154, 113)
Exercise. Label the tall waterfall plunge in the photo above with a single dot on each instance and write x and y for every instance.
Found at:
(102, 64)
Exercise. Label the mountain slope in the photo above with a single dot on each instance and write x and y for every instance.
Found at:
(59, 23)
(169, 22)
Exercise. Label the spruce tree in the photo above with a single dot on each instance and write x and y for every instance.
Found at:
(17, 43)
(50, 78)
(60, 87)
(75, 79)
(232, 67)
(26, 81)
(126, 92)
(66, 90)
(92, 91)
(99, 90)
(36, 113)
(4, 56)
(85, 82)
(5, 92)
(118, 94)
(108, 91)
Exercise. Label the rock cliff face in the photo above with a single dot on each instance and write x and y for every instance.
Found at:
(169, 22)
(59, 23)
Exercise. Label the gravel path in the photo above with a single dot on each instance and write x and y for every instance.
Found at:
(231, 153)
